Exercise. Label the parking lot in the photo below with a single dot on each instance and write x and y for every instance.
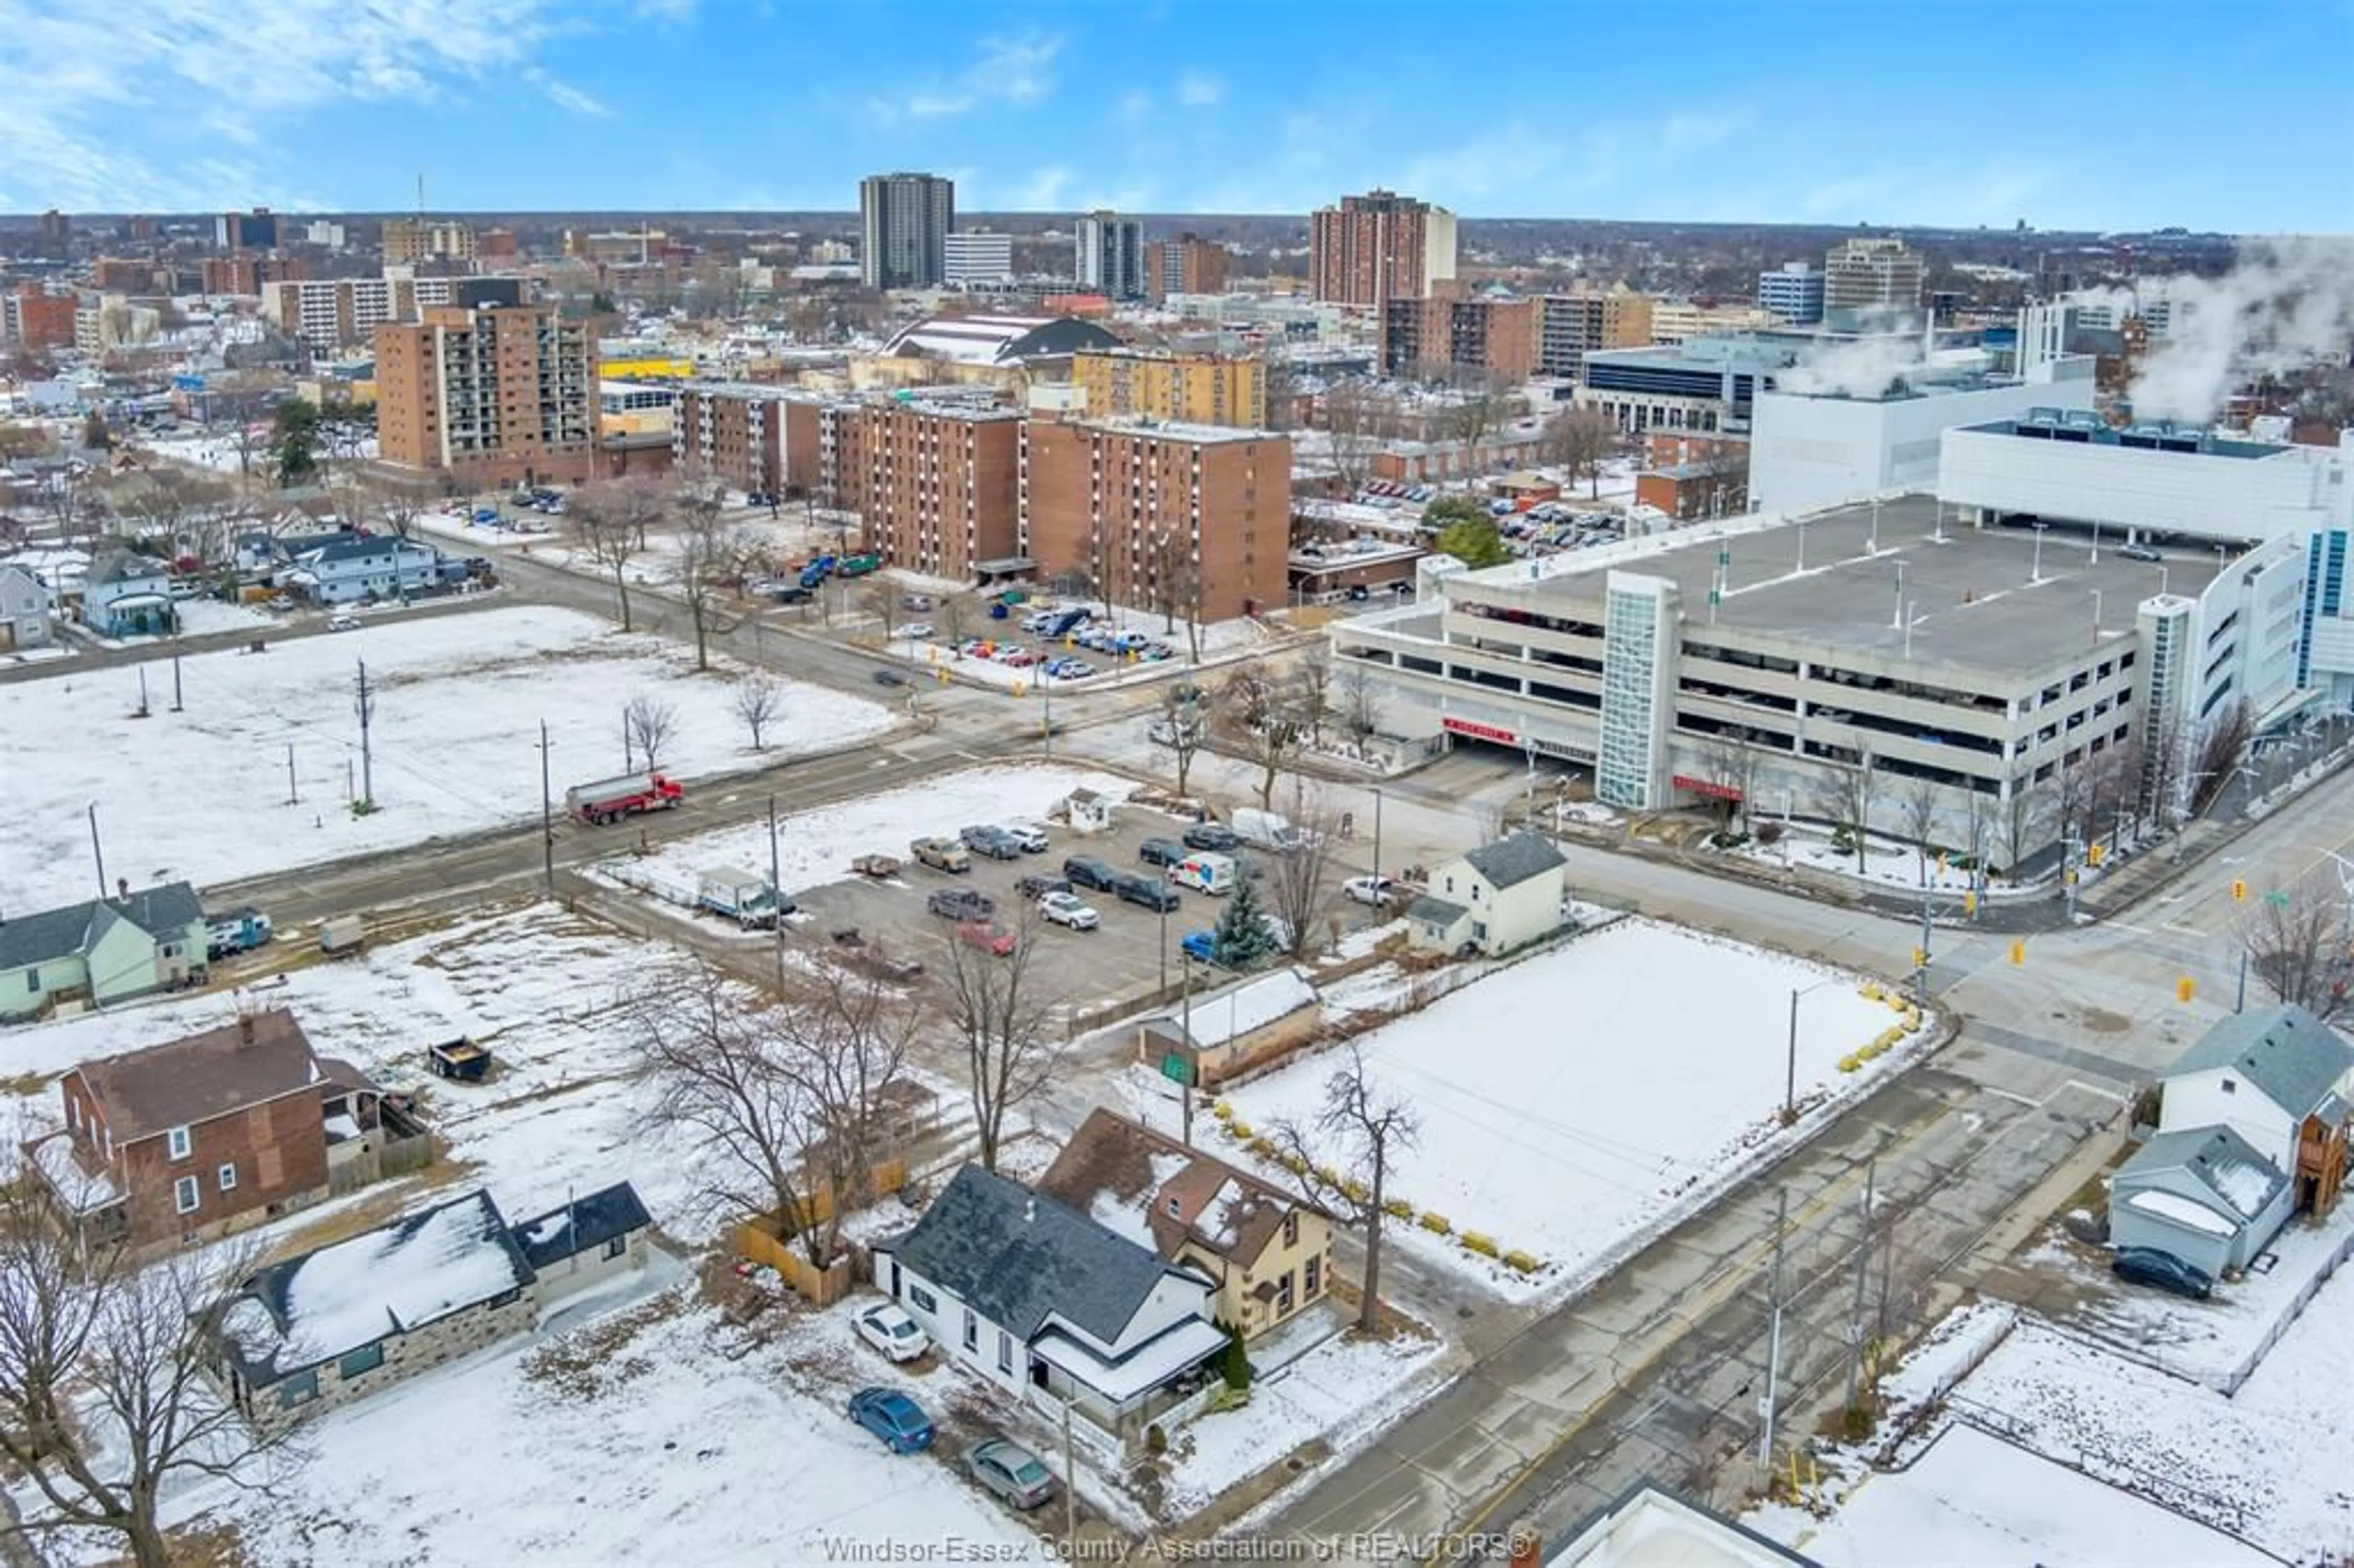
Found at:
(1122, 957)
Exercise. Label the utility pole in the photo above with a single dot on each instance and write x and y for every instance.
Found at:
(777, 897)
(1774, 1339)
(143, 691)
(293, 795)
(1377, 829)
(1790, 1067)
(365, 704)
(547, 817)
(96, 854)
(1186, 1084)
(1863, 1265)
(175, 683)
(1070, 1493)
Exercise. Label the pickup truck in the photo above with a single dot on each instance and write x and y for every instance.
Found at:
(941, 855)
(238, 931)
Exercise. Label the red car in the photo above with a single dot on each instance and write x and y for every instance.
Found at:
(987, 938)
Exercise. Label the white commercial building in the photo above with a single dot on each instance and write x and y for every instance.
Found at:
(979, 261)
(1809, 449)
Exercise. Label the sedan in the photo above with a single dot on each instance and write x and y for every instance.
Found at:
(1069, 909)
(889, 678)
(1161, 852)
(1011, 1471)
(1039, 883)
(988, 938)
(891, 1415)
(1377, 890)
(887, 1328)
(2148, 1266)
(1214, 836)
(917, 631)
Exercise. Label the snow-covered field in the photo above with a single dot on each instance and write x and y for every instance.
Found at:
(1571, 1099)
(203, 794)
(1886, 862)
(816, 847)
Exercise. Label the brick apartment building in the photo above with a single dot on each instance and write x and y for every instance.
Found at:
(1192, 389)
(942, 492)
(1447, 331)
(754, 437)
(1146, 508)
(245, 273)
(1379, 246)
(37, 319)
(407, 240)
(1572, 325)
(489, 391)
(1185, 266)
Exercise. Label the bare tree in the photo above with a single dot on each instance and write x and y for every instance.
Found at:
(104, 1398)
(843, 1040)
(1165, 556)
(1917, 809)
(648, 723)
(1263, 720)
(2020, 822)
(1185, 722)
(759, 701)
(1342, 1159)
(608, 536)
(1579, 439)
(1483, 401)
(395, 506)
(1311, 685)
(956, 612)
(2113, 789)
(2296, 941)
(710, 555)
(1188, 589)
(1300, 877)
(1846, 799)
(1353, 413)
(2222, 746)
(1358, 703)
(1001, 1008)
(1733, 764)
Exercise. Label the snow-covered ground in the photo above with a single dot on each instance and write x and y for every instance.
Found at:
(1974, 1499)
(459, 699)
(1886, 862)
(1571, 1099)
(816, 847)
(199, 617)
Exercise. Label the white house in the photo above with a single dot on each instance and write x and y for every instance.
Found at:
(2201, 1194)
(598, 1237)
(24, 609)
(127, 594)
(2279, 1079)
(1498, 897)
(365, 566)
(1050, 1305)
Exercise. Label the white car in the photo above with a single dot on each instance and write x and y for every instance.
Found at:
(917, 630)
(1377, 890)
(887, 1328)
(343, 623)
(1069, 909)
(1029, 835)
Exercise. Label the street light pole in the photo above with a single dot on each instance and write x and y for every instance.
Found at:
(1790, 1067)
(546, 812)
(97, 854)
(1185, 1084)
(1377, 829)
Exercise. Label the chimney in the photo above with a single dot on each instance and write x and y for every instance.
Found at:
(1029, 1210)
(123, 887)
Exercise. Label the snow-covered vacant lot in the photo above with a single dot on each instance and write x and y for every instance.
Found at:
(203, 794)
(1570, 1099)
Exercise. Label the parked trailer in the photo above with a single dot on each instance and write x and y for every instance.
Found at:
(461, 1059)
(610, 800)
(238, 931)
(344, 934)
(748, 900)
(878, 866)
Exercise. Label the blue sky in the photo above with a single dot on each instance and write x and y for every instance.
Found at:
(2086, 114)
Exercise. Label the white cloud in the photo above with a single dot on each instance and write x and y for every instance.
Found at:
(564, 95)
(1136, 108)
(1196, 90)
(1044, 191)
(1010, 70)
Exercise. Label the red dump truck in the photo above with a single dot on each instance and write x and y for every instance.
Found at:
(613, 798)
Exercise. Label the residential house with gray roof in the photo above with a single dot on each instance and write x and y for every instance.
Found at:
(128, 595)
(1052, 1304)
(2281, 1080)
(1494, 899)
(25, 601)
(361, 567)
(102, 951)
(2202, 1194)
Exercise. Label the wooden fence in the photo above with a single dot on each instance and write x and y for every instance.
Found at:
(771, 1238)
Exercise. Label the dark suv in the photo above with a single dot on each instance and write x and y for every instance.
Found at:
(961, 904)
(1161, 852)
(1085, 871)
(1152, 895)
(1039, 883)
(1214, 836)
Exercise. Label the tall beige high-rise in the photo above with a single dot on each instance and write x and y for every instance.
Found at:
(489, 394)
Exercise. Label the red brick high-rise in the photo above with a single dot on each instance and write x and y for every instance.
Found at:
(1380, 247)
(1185, 266)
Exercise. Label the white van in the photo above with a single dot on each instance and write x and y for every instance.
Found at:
(1206, 873)
(1266, 830)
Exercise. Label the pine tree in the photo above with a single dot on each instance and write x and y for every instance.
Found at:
(1241, 937)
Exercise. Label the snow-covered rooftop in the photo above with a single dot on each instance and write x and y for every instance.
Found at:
(1230, 1014)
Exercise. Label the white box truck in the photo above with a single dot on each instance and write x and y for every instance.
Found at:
(1266, 829)
(1205, 872)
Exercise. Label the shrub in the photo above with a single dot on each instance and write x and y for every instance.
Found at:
(1397, 1208)
(1849, 1062)
(1769, 832)
(1474, 1241)
(1234, 1361)
(1240, 1132)
(1156, 1441)
(1436, 1224)
(1521, 1263)
(1843, 839)
(1221, 1110)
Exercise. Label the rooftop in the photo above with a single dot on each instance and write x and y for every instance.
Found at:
(1975, 599)
(2286, 1052)
(2084, 428)
(200, 1076)
(1179, 430)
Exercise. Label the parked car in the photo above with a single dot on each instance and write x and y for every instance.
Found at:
(980, 933)
(961, 904)
(1161, 852)
(1039, 883)
(1200, 946)
(889, 678)
(1214, 836)
(994, 842)
(1153, 895)
(891, 1415)
(343, 623)
(2138, 553)
(917, 631)
(1377, 890)
(1085, 871)
(916, 601)
(942, 855)
(2163, 1270)
(1010, 1471)
(1029, 835)
(1069, 909)
(887, 1328)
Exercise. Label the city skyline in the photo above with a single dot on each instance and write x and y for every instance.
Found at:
(1830, 113)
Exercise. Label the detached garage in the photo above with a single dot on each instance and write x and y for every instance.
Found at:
(2204, 1194)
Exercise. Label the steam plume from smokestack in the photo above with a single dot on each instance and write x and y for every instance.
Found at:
(2287, 303)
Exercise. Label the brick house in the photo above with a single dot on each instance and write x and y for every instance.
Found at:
(1270, 1252)
(194, 1137)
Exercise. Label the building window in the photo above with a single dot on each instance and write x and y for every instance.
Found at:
(178, 1142)
(505, 1297)
(228, 1178)
(1283, 1295)
(971, 1330)
(1311, 1276)
(1004, 1351)
(366, 1359)
(922, 1299)
(617, 1246)
(1291, 1228)
(2230, 1087)
(300, 1389)
(32, 980)
(185, 1196)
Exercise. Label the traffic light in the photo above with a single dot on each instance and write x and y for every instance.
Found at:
(1920, 958)
(1970, 901)
(2018, 950)
(2185, 988)
(2239, 891)
(2093, 852)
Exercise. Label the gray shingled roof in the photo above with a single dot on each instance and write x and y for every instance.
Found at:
(1016, 1258)
(52, 934)
(581, 1224)
(1509, 862)
(1434, 911)
(2226, 1164)
(119, 565)
(2287, 1052)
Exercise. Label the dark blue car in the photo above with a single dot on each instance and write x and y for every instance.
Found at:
(891, 1415)
(1201, 946)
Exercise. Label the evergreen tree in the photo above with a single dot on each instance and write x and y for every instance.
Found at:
(1241, 937)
